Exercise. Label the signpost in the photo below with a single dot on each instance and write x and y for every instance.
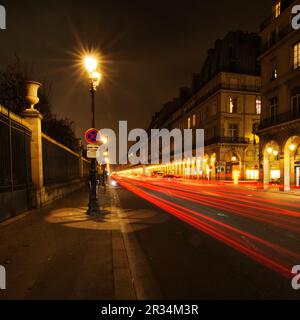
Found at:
(92, 151)
(91, 136)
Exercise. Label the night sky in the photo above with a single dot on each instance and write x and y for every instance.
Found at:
(149, 49)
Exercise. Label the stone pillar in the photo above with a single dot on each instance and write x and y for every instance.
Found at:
(266, 174)
(285, 168)
(34, 119)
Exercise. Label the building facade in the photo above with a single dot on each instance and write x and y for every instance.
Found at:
(225, 101)
(279, 130)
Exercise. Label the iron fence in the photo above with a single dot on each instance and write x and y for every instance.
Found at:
(61, 165)
(15, 168)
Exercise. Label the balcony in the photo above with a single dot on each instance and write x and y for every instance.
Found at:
(234, 140)
(279, 119)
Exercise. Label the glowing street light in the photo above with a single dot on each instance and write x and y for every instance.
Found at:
(104, 140)
(275, 153)
(292, 147)
(270, 150)
(91, 64)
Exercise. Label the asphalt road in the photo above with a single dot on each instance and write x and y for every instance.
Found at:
(215, 241)
(155, 239)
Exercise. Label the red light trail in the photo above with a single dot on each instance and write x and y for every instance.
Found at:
(264, 229)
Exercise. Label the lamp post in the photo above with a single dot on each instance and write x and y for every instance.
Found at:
(94, 81)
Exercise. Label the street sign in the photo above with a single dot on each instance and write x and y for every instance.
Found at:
(91, 136)
(92, 151)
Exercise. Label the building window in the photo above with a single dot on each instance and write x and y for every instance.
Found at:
(252, 174)
(233, 130)
(233, 105)
(273, 108)
(194, 120)
(189, 123)
(273, 37)
(258, 106)
(214, 131)
(201, 116)
(277, 9)
(274, 74)
(296, 105)
(296, 60)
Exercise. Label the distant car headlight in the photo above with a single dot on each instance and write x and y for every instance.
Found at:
(114, 183)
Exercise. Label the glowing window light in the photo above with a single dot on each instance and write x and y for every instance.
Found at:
(252, 174)
(275, 174)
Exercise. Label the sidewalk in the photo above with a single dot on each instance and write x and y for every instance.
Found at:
(59, 252)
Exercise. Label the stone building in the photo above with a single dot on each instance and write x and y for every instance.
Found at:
(224, 100)
(279, 130)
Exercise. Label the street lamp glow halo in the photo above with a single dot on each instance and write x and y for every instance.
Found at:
(292, 147)
(104, 139)
(91, 64)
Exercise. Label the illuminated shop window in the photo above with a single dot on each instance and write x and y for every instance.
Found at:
(252, 174)
(189, 123)
(275, 174)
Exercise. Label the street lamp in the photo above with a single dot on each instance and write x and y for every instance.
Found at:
(292, 147)
(91, 65)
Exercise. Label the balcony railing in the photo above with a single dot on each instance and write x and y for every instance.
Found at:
(235, 140)
(279, 119)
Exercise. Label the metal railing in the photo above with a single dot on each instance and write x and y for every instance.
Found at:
(15, 165)
(60, 164)
(279, 119)
(235, 140)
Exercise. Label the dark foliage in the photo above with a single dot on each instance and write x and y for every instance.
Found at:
(12, 96)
